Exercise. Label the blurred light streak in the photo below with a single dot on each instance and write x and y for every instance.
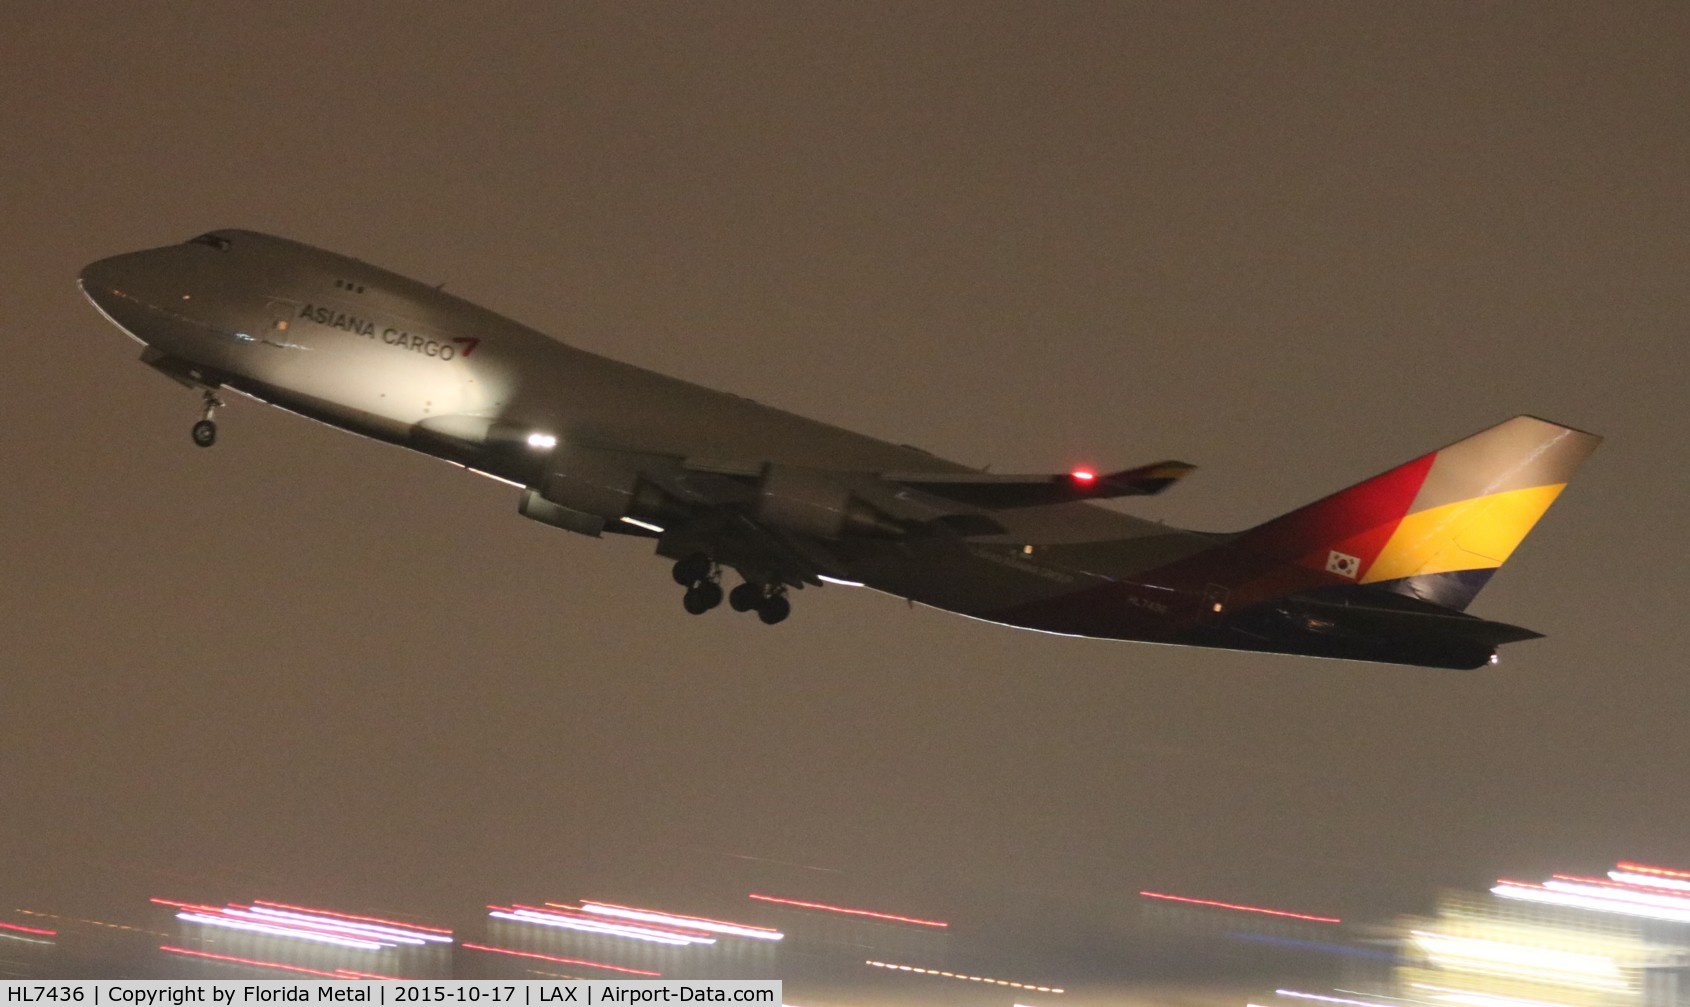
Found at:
(686, 935)
(1247, 909)
(690, 922)
(1295, 995)
(1522, 961)
(581, 912)
(38, 931)
(851, 912)
(281, 920)
(1618, 891)
(1649, 880)
(560, 961)
(959, 975)
(20, 938)
(521, 914)
(336, 974)
(364, 930)
(1571, 896)
(1661, 872)
(444, 934)
(1445, 994)
(232, 923)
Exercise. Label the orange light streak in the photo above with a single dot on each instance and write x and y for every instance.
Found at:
(1660, 872)
(1247, 909)
(852, 912)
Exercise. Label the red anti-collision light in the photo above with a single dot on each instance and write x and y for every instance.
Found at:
(1083, 475)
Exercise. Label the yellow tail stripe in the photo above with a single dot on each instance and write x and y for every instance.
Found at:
(1476, 534)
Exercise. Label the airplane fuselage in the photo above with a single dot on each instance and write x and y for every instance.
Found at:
(720, 481)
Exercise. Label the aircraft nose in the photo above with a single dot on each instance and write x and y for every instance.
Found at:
(100, 279)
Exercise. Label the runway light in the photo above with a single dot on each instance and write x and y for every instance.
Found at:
(1240, 908)
(560, 961)
(542, 441)
(958, 975)
(849, 912)
(689, 922)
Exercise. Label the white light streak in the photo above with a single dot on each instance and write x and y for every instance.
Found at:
(20, 937)
(1295, 995)
(690, 922)
(279, 930)
(593, 926)
(353, 928)
(637, 523)
(958, 975)
(1650, 881)
(1447, 995)
(1598, 903)
(825, 579)
(1523, 961)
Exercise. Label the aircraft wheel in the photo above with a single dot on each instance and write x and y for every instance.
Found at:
(692, 569)
(205, 433)
(773, 609)
(745, 597)
(694, 602)
(709, 594)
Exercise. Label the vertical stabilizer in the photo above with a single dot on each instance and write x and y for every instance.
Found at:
(1435, 528)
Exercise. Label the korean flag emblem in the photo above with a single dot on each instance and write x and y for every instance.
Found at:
(1343, 564)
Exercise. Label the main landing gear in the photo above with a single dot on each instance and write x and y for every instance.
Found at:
(205, 431)
(702, 579)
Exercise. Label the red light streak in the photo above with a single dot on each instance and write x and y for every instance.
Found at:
(852, 912)
(1083, 475)
(1661, 872)
(351, 916)
(1247, 909)
(20, 928)
(337, 974)
(561, 961)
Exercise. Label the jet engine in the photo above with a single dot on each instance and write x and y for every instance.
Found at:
(815, 502)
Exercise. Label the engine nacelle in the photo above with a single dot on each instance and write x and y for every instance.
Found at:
(587, 488)
(814, 502)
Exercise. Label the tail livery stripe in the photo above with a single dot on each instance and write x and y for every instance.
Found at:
(1465, 507)
(1476, 534)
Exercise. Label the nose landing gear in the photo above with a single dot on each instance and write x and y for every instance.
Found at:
(205, 431)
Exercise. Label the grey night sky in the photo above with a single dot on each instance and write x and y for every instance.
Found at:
(1294, 244)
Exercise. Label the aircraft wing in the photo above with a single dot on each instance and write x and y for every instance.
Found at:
(1003, 492)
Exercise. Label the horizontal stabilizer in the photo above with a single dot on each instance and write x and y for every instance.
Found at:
(995, 492)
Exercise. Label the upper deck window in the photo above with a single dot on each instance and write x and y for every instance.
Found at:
(215, 241)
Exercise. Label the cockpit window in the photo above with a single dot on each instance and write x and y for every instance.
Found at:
(215, 241)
